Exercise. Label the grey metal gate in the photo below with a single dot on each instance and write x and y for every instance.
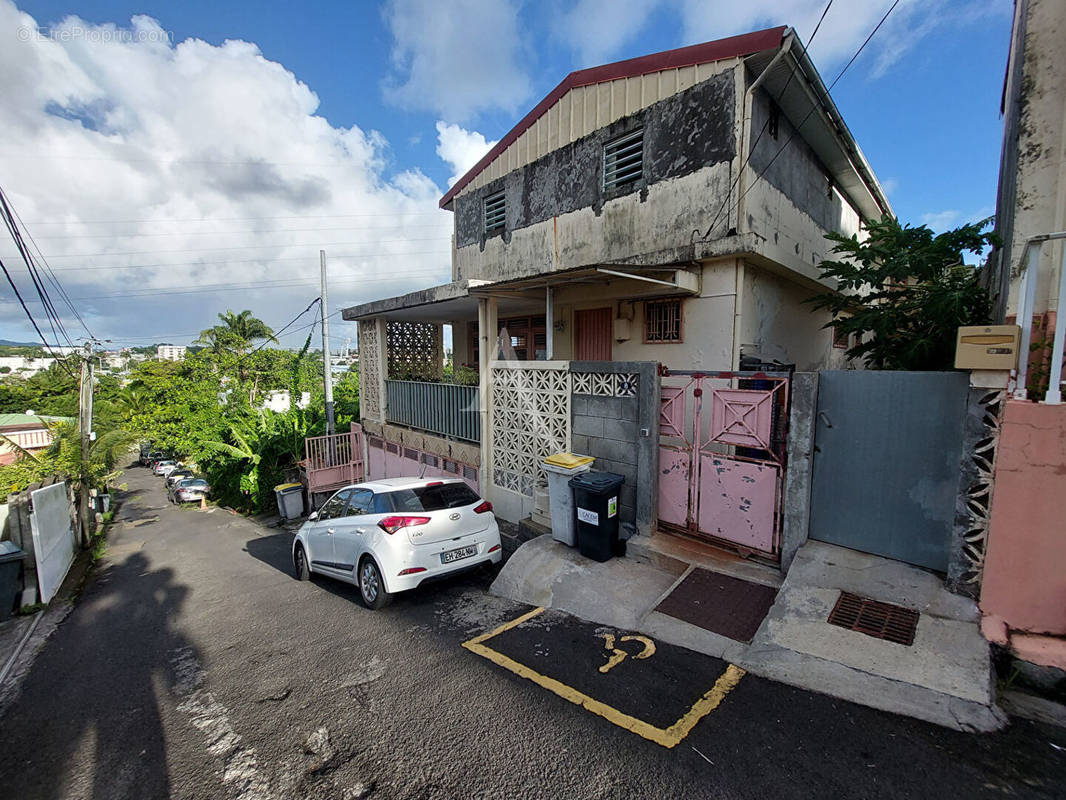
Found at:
(887, 454)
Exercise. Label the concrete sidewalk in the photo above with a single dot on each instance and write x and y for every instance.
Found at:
(945, 677)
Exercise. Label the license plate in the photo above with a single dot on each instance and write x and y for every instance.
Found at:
(458, 555)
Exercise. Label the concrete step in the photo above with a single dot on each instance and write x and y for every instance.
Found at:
(667, 551)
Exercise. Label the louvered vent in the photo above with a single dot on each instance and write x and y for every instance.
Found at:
(623, 159)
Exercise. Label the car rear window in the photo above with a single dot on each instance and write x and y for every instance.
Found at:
(433, 498)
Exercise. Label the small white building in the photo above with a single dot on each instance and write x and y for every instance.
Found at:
(23, 366)
(170, 352)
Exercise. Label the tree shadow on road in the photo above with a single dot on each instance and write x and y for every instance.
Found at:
(87, 723)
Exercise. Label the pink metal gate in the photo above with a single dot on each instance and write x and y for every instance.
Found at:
(722, 456)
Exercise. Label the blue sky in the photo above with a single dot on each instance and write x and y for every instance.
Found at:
(922, 101)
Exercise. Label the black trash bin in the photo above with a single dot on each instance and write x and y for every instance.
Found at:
(10, 564)
(596, 513)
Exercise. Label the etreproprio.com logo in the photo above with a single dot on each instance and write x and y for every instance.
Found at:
(76, 33)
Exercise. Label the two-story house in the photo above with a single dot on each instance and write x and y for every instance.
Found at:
(668, 209)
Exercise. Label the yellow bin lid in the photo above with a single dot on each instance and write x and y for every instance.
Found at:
(281, 486)
(568, 460)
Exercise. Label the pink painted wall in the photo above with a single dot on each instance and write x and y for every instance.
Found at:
(1025, 562)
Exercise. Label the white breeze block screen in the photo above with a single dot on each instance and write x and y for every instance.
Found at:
(53, 537)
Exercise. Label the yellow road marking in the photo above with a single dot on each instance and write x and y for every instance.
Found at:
(649, 645)
(666, 737)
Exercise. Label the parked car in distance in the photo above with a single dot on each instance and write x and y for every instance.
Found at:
(164, 466)
(179, 474)
(391, 535)
(153, 458)
(189, 490)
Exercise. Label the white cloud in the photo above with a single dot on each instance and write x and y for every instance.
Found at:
(460, 149)
(208, 163)
(597, 29)
(844, 29)
(940, 221)
(456, 58)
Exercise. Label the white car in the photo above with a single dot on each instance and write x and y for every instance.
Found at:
(165, 467)
(390, 535)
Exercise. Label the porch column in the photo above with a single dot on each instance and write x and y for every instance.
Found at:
(486, 333)
(372, 367)
(549, 324)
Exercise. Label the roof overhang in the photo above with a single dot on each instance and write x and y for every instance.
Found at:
(665, 279)
(798, 89)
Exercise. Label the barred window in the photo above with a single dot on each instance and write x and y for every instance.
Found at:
(662, 320)
(495, 211)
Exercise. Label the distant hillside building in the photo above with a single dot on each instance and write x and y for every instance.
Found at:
(170, 352)
(30, 432)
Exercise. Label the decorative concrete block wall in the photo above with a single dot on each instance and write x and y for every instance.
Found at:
(615, 418)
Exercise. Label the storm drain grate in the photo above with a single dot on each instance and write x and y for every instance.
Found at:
(879, 620)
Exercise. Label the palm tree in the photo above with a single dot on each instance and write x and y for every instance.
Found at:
(236, 333)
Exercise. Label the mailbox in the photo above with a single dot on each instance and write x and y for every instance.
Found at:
(987, 347)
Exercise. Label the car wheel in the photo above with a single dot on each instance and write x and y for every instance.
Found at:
(299, 562)
(371, 586)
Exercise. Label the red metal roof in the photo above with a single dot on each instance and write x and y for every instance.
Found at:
(718, 50)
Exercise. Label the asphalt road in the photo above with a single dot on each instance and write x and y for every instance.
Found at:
(195, 666)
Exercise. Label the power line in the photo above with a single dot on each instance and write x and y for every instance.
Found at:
(346, 228)
(762, 130)
(248, 260)
(181, 161)
(235, 219)
(809, 114)
(214, 249)
(311, 305)
(33, 322)
(261, 285)
(52, 276)
(55, 322)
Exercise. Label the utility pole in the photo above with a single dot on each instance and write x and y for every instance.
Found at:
(85, 425)
(328, 377)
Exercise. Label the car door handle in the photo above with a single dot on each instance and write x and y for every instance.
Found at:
(330, 531)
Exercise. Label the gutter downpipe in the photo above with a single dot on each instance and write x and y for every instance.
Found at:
(1026, 301)
(745, 119)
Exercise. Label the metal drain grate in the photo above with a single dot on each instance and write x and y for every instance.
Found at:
(879, 620)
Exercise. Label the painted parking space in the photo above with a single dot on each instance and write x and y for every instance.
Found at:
(653, 689)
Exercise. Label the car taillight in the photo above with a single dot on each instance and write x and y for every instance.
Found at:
(494, 548)
(411, 570)
(483, 508)
(392, 524)
(434, 483)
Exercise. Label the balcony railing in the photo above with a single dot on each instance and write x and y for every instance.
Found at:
(441, 408)
(332, 461)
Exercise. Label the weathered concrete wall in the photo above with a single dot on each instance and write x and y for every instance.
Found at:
(584, 109)
(426, 442)
(796, 173)
(796, 505)
(621, 433)
(707, 338)
(1024, 579)
(559, 215)
(1033, 193)
(778, 325)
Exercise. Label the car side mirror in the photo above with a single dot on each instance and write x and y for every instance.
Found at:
(312, 516)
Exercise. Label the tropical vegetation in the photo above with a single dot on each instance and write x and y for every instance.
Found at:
(207, 409)
(904, 292)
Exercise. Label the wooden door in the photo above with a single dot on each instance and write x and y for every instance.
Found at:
(592, 334)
